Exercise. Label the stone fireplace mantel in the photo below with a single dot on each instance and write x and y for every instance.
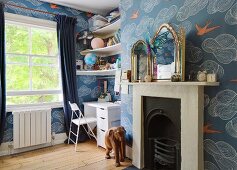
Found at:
(192, 108)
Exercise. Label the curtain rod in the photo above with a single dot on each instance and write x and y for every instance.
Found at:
(31, 9)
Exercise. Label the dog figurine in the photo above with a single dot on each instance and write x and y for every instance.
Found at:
(115, 139)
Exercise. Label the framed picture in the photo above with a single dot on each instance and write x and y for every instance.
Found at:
(79, 64)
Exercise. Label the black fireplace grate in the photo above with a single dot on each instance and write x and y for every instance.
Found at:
(165, 153)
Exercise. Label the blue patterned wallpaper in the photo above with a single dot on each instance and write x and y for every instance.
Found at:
(211, 29)
(82, 19)
(57, 124)
(89, 87)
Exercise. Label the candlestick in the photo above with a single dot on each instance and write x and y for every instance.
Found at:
(105, 86)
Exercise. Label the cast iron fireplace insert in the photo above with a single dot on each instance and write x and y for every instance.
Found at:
(162, 133)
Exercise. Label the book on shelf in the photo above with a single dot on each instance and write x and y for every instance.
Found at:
(112, 20)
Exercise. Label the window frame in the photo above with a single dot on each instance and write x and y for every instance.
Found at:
(41, 24)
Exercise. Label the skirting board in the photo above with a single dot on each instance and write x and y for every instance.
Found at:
(7, 148)
(129, 152)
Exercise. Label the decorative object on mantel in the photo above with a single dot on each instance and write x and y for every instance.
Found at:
(175, 77)
(140, 61)
(162, 58)
(211, 77)
(202, 76)
(168, 54)
(126, 75)
(147, 78)
(191, 76)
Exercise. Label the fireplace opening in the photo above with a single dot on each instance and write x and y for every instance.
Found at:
(162, 128)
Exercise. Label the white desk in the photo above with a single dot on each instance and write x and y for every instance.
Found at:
(108, 115)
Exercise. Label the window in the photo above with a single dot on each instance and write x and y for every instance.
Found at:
(32, 63)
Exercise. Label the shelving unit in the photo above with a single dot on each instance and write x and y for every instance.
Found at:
(106, 51)
(104, 32)
(108, 30)
(98, 72)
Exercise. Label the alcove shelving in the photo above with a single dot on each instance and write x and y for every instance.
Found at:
(97, 72)
(104, 32)
(104, 52)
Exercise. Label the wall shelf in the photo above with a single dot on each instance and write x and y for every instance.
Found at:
(98, 72)
(106, 51)
(104, 32)
(108, 30)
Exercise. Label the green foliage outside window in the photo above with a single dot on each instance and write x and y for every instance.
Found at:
(32, 63)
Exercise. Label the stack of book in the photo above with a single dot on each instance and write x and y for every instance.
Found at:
(114, 39)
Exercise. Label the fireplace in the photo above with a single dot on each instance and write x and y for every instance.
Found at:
(179, 145)
(162, 127)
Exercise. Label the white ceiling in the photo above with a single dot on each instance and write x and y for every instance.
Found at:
(94, 6)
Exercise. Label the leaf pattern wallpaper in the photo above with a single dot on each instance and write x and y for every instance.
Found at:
(211, 44)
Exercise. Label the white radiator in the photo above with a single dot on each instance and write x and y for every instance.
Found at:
(31, 127)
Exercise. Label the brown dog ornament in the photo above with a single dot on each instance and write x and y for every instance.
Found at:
(115, 139)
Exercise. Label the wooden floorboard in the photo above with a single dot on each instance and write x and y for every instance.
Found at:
(62, 157)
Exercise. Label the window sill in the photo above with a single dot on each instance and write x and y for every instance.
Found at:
(12, 108)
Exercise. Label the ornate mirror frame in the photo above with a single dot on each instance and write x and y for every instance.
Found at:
(134, 62)
(179, 48)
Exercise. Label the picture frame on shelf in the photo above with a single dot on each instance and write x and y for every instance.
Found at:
(79, 64)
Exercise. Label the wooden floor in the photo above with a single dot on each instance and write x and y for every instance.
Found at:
(63, 157)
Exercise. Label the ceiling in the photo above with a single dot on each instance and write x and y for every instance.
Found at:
(94, 6)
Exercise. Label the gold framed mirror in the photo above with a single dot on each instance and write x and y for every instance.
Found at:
(168, 54)
(140, 61)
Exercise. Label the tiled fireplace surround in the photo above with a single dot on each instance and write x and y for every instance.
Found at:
(192, 107)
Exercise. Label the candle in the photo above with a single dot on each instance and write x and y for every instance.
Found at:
(211, 77)
(105, 86)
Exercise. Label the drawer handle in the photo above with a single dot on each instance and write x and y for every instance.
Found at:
(102, 130)
(102, 118)
(102, 109)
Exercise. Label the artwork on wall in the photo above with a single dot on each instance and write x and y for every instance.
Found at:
(211, 29)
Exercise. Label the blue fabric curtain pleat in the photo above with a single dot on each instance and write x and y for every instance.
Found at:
(66, 42)
(2, 73)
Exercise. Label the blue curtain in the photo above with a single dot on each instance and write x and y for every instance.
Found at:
(66, 42)
(2, 73)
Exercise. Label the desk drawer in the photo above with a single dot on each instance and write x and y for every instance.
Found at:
(101, 137)
(101, 112)
(102, 123)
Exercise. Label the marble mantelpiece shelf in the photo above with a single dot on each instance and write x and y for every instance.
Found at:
(169, 83)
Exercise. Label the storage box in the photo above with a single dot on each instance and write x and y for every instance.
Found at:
(126, 75)
(97, 21)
